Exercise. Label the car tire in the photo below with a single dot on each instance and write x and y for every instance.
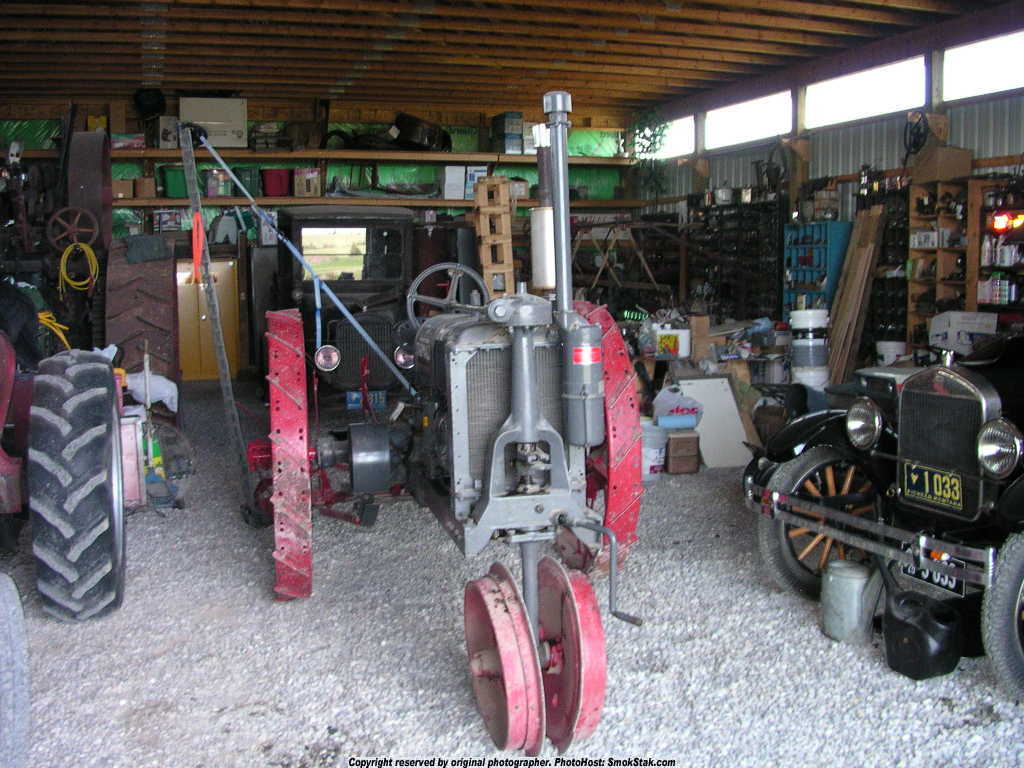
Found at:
(1002, 625)
(75, 486)
(774, 540)
(14, 687)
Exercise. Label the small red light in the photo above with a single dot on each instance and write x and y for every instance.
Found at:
(586, 355)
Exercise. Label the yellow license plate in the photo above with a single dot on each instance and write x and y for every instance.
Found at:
(933, 486)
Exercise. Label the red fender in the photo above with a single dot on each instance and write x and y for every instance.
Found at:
(614, 467)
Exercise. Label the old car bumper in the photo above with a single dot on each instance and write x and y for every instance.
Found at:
(907, 547)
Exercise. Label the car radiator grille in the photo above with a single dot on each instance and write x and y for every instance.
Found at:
(489, 381)
(354, 348)
(939, 430)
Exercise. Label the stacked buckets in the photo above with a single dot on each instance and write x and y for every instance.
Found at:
(809, 350)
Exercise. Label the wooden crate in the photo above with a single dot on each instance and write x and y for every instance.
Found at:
(492, 217)
(682, 453)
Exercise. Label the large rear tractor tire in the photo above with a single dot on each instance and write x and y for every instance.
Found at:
(75, 486)
(14, 689)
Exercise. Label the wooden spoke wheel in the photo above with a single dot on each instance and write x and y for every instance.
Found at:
(72, 225)
(575, 673)
(796, 555)
(503, 663)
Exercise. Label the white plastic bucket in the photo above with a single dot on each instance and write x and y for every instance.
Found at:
(809, 353)
(654, 442)
(813, 378)
(808, 318)
(888, 352)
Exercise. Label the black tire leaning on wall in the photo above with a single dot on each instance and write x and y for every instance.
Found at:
(75, 486)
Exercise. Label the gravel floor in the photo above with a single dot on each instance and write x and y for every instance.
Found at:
(202, 668)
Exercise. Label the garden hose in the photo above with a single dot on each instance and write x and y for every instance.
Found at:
(48, 320)
(94, 268)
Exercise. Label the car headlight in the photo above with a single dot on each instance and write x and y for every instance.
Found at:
(999, 448)
(327, 358)
(863, 423)
(404, 357)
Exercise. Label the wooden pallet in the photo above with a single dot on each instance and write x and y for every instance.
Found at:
(492, 217)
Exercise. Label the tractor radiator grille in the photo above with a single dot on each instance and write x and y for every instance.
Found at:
(353, 349)
(489, 381)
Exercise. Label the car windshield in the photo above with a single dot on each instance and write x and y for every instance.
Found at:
(353, 253)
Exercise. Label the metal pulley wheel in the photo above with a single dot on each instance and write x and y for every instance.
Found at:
(72, 225)
(503, 663)
(576, 672)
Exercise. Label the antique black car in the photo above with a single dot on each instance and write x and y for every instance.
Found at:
(921, 467)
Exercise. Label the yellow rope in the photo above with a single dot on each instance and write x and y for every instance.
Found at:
(94, 268)
(48, 320)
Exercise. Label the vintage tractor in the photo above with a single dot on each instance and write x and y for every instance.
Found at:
(518, 415)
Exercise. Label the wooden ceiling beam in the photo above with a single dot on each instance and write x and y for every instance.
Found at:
(854, 10)
(328, 86)
(411, 14)
(820, 10)
(949, 7)
(779, 42)
(739, 51)
(85, 47)
(581, 100)
(473, 75)
(677, 11)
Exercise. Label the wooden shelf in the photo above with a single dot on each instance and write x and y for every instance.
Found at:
(349, 155)
(406, 202)
(983, 306)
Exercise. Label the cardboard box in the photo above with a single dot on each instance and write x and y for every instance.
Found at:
(508, 143)
(167, 132)
(167, 220)
(700, 340)
(223, 119)
(507, 122)
(473, 173)
(958, 330)
(941, 164)
(123, 188)
(529, 142)
(307, 182)
(454, 182)
(682, 465)
(145, 187)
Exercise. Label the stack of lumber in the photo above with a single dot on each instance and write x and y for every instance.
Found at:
(850, 305)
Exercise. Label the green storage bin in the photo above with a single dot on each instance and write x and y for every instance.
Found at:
(174, 180)
(249, 175)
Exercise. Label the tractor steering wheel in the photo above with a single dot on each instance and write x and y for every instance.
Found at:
(449, 302)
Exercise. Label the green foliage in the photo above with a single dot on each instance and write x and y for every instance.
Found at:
(649, 128)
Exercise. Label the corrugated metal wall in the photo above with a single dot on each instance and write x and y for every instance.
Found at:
(845, 148)
(990, 128)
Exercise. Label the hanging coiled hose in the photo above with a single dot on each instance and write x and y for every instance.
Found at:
(85, 283)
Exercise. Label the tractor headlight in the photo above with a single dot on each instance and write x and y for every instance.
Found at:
(999, 448)
(863, 423)
(327, 358)
(405, 358)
